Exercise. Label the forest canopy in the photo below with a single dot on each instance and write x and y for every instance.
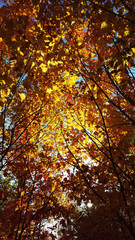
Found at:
(67, 119)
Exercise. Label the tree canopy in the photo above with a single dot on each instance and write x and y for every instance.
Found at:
(67, 119)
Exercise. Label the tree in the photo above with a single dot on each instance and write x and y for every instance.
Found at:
(67, 119)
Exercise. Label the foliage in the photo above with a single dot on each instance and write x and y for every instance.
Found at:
(67, 119)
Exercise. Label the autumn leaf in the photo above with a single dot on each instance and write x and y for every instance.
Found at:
(22, 96)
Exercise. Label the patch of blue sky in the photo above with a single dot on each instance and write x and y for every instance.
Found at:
(132, 72)
(85, 30)
(21, 79)
(5, 3)
(78, 80)
(24, 75)
(109, 44)
(2, 4)
(6, 60)
(64, 40)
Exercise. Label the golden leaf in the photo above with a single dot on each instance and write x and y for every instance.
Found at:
(43, 67)
(22, 96)
(103, 24)
(22, 193)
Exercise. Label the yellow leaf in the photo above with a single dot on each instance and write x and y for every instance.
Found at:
(103, 24)
(16, 208)
(22, 96)
(5, 92)
(22, 193)
(126, 33)
(40, 58)
(55, 88)
(66, 74)
(49, 90)
(21, 53)
(68, 13)
(39, 25)
(51, 203)
(53, 189)
(133, 50)
(13, 39)
(2, 82)
(43, 67)
(72, 79)
(79, 44)
(51, 44)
